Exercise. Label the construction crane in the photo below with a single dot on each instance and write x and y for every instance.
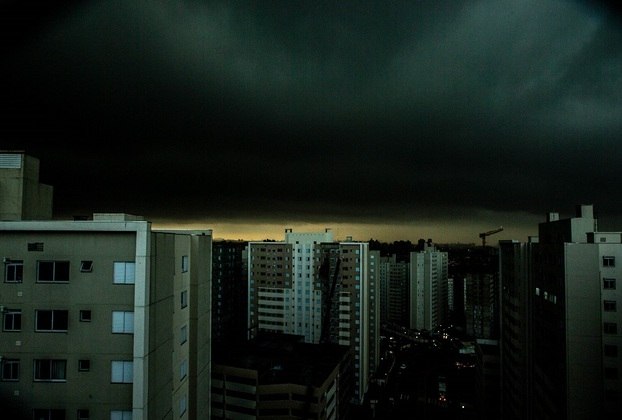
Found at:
(490, 232)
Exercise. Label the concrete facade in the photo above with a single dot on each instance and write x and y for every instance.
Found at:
(104, 319)
(22, 197)
(428, 288)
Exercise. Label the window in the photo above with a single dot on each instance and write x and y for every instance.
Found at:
(84, 365)
(124, 272)
(53, 271)
(183, 370)
(122, 372)
(182, 406)
(610, 328)
(14, 271)
(121, 415)
(183, 335)
(10, 369)
(83, 414)
(184, 298)
(50, 370)
(122, 322)
(86, 266)
(35, 246)
(609, 284)
(184, 263)
(51, 320)
(48, 414)
(609, 261)
(12, 320)
(85, 316)
(609, 305)
(611, 350)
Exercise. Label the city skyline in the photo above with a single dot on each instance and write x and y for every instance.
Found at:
(401, 121)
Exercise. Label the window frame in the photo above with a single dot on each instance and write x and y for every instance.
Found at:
(185, 263)
(610, 305)
(610, 328)
(84, 365)
(120, 414)
(183, 299)
(14, 314)
(86, 315)
(86, 266)
(609, 283)
(127, 325)
(53, 329)
(52, 370)
(52, 413)
(126, 372)
(609, 261)
(15, 366)
(183, 334)
(116, 273)
(54, 263)
(83, 414)
(17, 272)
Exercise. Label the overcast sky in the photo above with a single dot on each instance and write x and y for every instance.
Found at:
(392, 120)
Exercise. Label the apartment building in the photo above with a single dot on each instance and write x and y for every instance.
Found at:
(573, 333)
(428, 288)
(394, 287)
(311, 286)
(104, 319)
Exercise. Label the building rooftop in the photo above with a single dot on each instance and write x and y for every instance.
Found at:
(283, 358)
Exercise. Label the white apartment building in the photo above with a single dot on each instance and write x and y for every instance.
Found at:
(428, 288)
(311, 286)
(104, 319)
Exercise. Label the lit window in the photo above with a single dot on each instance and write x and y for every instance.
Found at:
(51, 320)
(121, 415)
(183, 370)
(10, 369)
(609, 305)
(121, 371)
(183, 334)
(182, 406)
(609, 284)
(86, 266)
(124, 272)
(14, 271)
(50, 370)
(12, 320)
(85, 316)
(123, 322)
(53, 271)
(609, 261)
(184, 263)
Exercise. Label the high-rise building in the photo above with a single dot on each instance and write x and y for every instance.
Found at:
(311, 286)
(104, 319)
(514, 269)
(229, 292)
(394, 289)
(428, 288)
(573, 334)
(22, 197)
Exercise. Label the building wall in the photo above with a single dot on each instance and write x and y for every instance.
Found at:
(22, 197)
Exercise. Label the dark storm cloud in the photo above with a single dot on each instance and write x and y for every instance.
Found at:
(267, 109)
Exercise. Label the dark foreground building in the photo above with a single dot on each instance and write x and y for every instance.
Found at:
(280, 375)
